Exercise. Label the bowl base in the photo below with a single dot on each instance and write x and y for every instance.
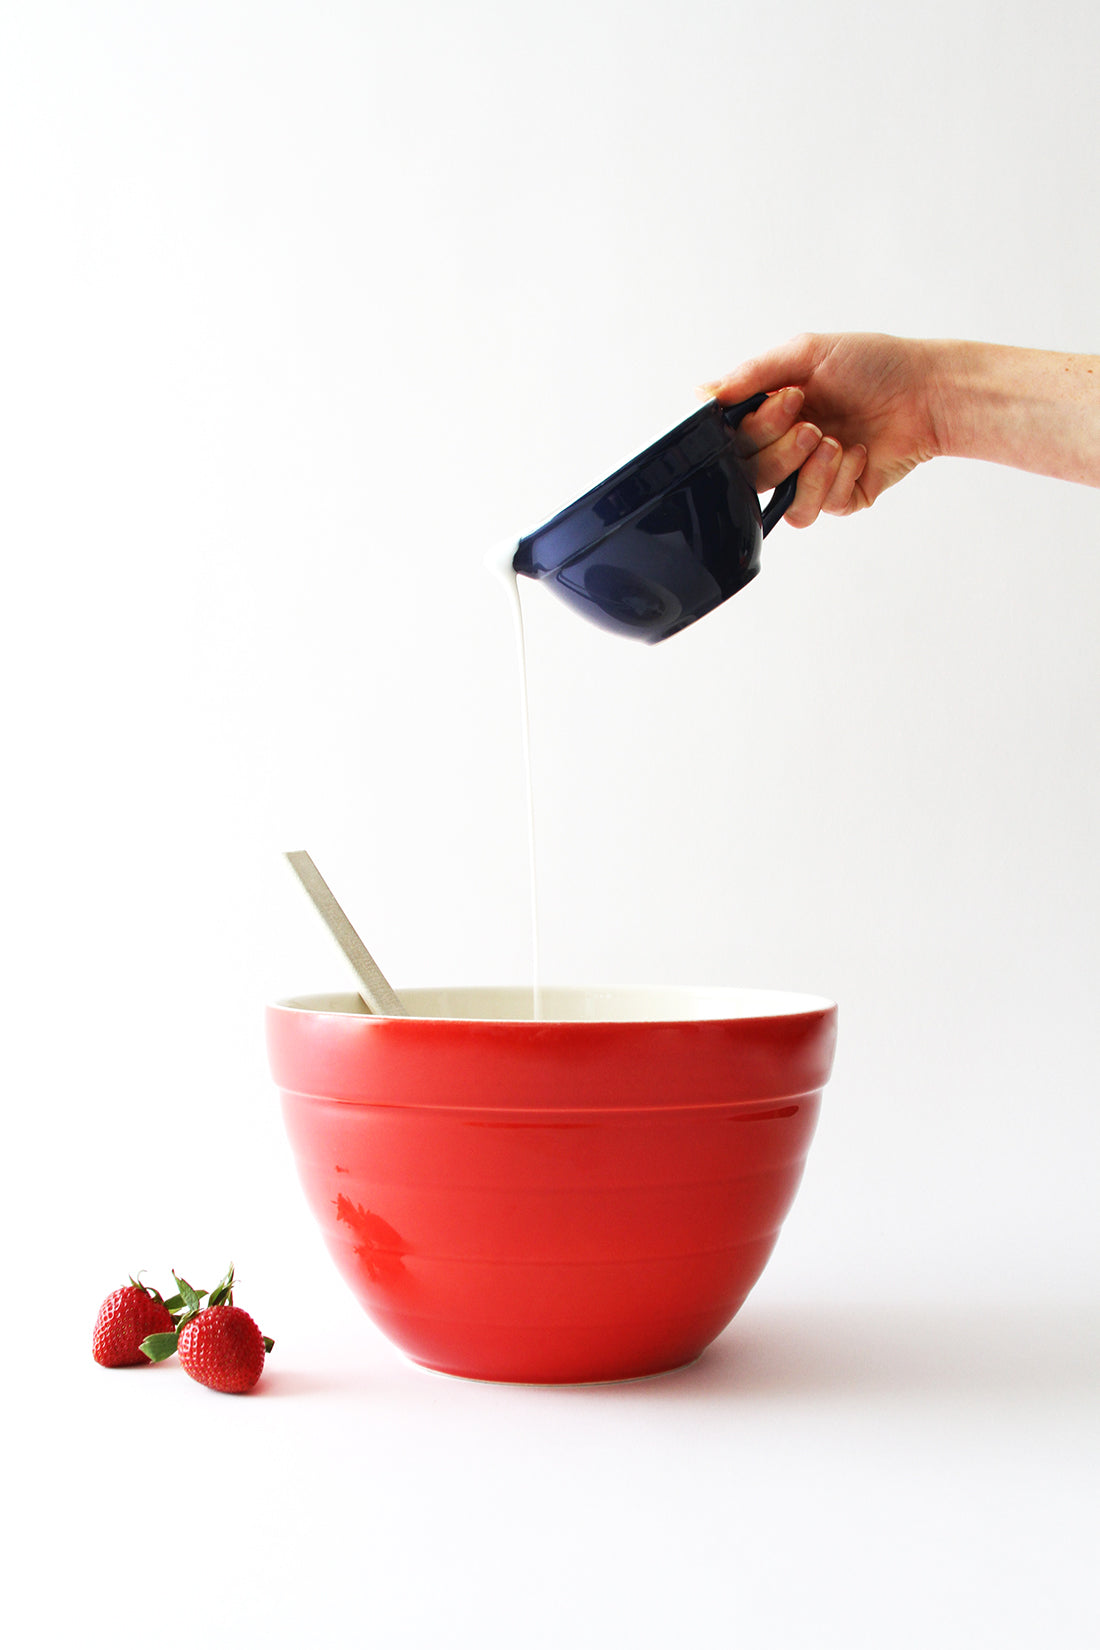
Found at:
(608, 1380)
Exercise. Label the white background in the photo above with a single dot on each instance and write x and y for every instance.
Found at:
(303, 307)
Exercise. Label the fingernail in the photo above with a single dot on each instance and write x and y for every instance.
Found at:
(807, 437)
(792, 399)
(831, 447)
(707, 392)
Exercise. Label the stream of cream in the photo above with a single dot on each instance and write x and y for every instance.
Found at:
(499, 562)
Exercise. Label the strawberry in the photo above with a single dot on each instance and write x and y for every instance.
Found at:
(219, 1345)
(126, 1317)
(223, 1348)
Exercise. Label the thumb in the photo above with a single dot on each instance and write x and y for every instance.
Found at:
(789, 363)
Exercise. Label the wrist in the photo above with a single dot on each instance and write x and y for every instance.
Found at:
(952, 373)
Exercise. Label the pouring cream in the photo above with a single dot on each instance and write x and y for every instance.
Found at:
(499, 561)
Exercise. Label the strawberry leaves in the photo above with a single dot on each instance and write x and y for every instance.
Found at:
(223, 1294)
(158, 1347)
(183, 1308)
(185, 1304)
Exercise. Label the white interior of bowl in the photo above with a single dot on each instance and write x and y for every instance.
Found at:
(593, 1003)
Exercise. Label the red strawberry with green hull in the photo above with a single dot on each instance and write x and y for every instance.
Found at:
(223, 1348)
(219, 1345)
(126, 1318)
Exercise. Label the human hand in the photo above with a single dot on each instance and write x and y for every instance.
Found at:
(868, 409)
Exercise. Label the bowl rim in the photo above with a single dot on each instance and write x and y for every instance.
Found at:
(321, 1005)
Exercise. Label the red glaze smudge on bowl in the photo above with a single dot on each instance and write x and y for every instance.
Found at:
(585, 1197)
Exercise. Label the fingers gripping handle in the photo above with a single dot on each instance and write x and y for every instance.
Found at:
(779, 503)
(783, 497)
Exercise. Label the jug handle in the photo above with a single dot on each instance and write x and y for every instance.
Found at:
(783, 497)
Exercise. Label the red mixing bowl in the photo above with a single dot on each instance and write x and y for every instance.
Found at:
(585, 1197)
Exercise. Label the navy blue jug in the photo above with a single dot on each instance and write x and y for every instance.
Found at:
(667, 538)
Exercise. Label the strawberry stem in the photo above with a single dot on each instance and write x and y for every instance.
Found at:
(145, 1288)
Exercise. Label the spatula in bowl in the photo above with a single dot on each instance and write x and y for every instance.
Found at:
(375, 990)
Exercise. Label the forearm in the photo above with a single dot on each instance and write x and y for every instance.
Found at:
(1034, 409)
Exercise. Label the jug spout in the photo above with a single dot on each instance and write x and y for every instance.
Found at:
(523, 560)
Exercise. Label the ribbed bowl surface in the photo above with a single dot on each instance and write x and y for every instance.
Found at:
(568, 1199)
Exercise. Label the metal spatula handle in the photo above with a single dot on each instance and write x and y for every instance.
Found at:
(374, 988)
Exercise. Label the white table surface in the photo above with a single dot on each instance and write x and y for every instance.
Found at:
(894, 1444)
(871, 1473)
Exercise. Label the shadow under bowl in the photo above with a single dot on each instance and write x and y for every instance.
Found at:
(589, 1196)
